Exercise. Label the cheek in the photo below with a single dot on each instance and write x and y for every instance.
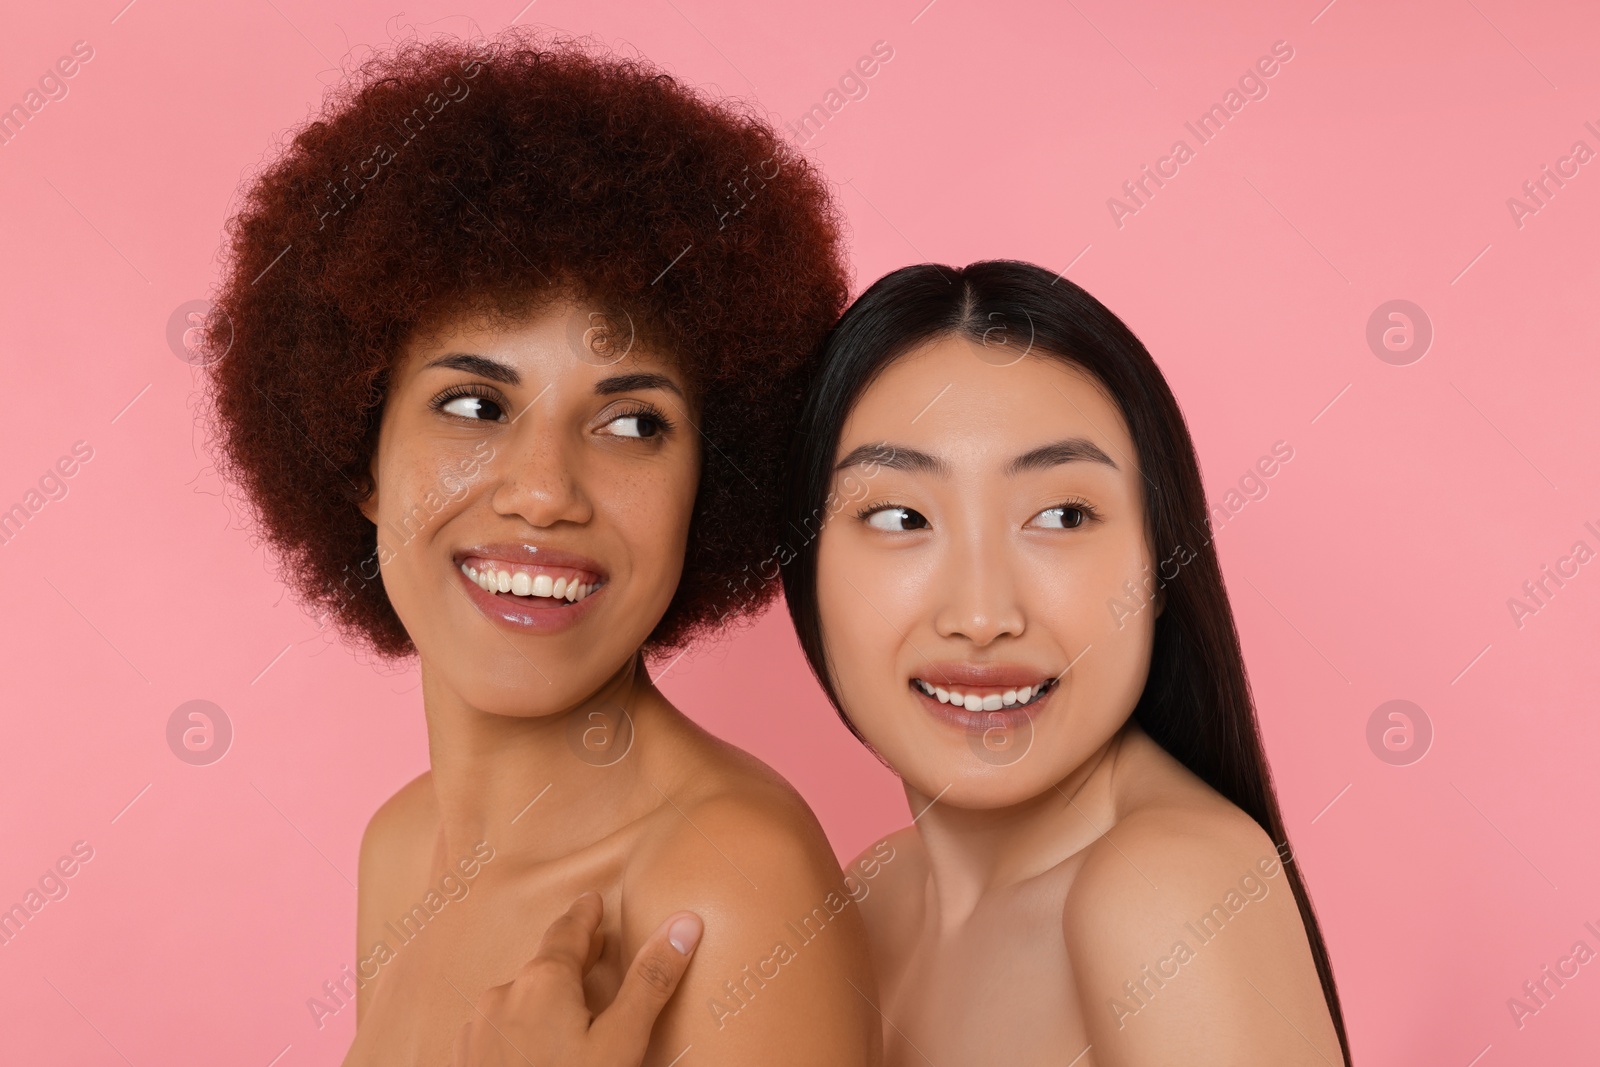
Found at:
(419, 495)
(864, 607)
(1117, 586)
(1100, 612)
(838, 623)
(650, 510)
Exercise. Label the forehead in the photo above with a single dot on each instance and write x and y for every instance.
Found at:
(955, 397)
(562, 339)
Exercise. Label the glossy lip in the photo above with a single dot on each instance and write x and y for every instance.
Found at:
(515, 616)
(529, 555)
(974, 676)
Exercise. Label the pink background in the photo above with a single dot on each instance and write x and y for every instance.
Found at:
(1378, 566)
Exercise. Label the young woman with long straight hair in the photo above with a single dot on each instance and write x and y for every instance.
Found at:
(1012, 597)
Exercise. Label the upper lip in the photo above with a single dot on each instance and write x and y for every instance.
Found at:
(975, 674)
(520, 552)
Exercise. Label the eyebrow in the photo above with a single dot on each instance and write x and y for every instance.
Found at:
(625, 383)
(506, 374)
(482, 366)
(915, 461)
(1067, 450)
(895, 457)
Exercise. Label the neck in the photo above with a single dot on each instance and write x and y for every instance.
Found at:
(523, 782)
(973, 852)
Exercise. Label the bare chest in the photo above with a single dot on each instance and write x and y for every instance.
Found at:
(999, 990)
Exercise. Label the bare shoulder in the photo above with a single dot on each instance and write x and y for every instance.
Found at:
(1186, 939)
(894, 861)
(889, 880)
(736, 833)
(395, 850)
(733, 800)
(397, 836)
(784, 943)
(1163, 861)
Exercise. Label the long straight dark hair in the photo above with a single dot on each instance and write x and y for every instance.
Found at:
(1196, 702)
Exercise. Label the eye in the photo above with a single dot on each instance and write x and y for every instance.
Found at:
(469, 402)
(634, 426)
(893, 518)
(1066, 516)
(640, 423)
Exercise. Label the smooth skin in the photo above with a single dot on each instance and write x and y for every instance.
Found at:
(557, 766)
(1034, 908)
(1054, 861)
(547, 996)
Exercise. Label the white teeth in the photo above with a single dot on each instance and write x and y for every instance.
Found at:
(521, 583)
(991, 702)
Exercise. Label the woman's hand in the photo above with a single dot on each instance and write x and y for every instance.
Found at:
(539, 1017)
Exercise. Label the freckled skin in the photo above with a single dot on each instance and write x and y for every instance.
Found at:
(677, 820)
(1043, 872)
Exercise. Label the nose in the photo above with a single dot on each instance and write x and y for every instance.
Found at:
(539, 475)
(979, 595)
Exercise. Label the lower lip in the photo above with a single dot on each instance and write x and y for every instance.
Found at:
(981, 722)
(527, 615)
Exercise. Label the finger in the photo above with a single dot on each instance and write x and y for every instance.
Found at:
(460, 1051)
(570, 939)
(597, 944)
(650, 983)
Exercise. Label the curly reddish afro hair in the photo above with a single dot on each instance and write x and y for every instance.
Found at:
(493, 175)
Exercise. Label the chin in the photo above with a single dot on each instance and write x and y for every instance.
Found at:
(970, 779)
(522, 698)
(993, 788)
(503, 681)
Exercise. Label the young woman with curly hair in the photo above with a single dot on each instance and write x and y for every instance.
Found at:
(509, 346)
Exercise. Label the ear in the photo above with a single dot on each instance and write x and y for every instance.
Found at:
(366, 491)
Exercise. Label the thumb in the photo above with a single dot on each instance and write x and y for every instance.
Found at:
(650, 982)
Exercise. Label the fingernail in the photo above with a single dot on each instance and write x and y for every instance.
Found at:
(685, 933)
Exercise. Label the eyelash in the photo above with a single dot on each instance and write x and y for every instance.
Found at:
(869, 509)
(638, 410)
(642, 410)
(1090, 512)
(1076, 503)
(456, 392)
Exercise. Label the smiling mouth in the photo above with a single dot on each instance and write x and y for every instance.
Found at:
(536, 586)
(986, 697)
